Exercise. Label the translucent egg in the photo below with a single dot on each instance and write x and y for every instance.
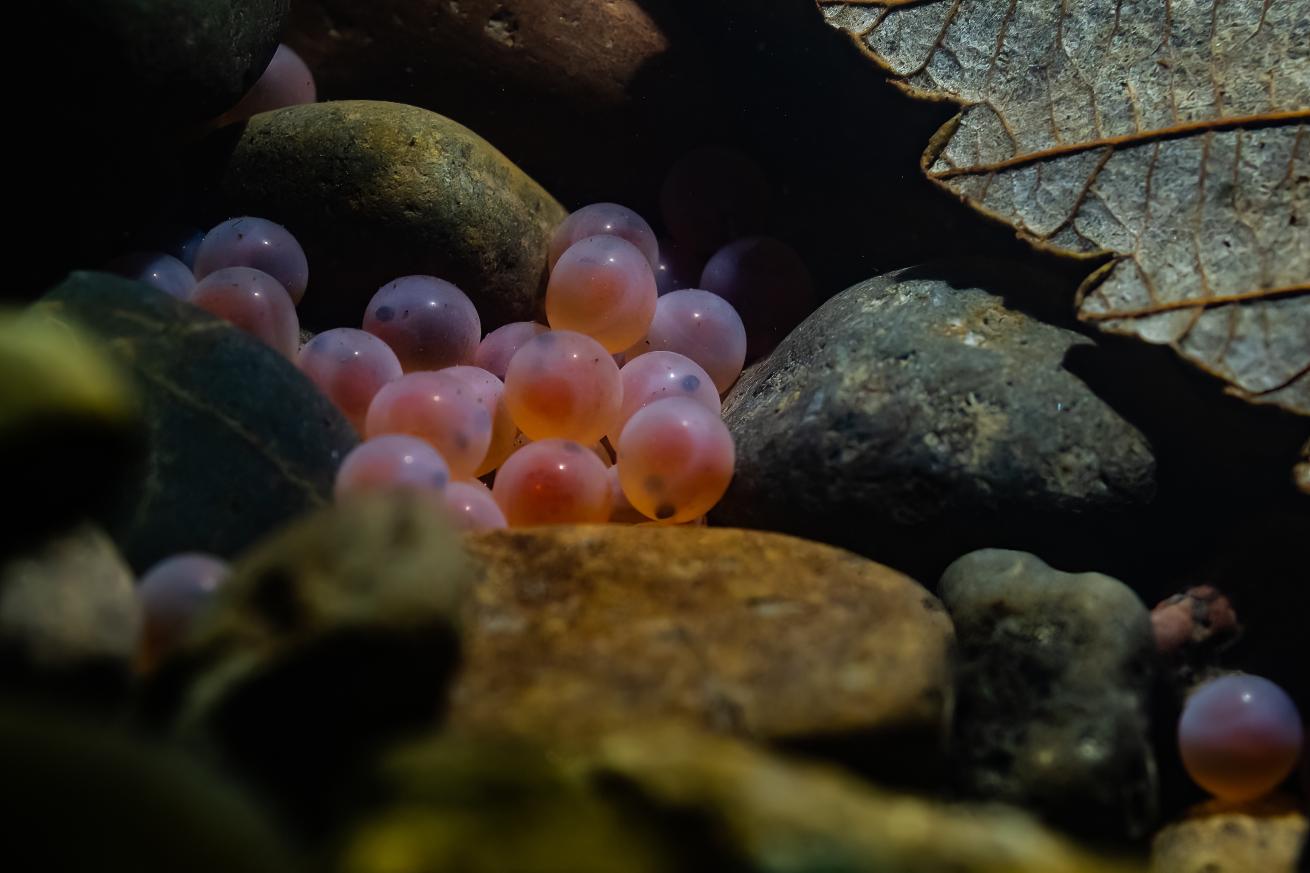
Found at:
(439, 408)
(258, 243)
(603, 287)
(286, 81)
(172, 594)
(391, 461)
(253, 301)
(471, 507)
(553, 482)
(428, 322)
(498, 347)
(350, 366)
(658, 375)
(156, 269)
(767, 283)
(608, 219)
(490, 392)
(675, 460)
(1239, 736)
(563, 384)
(702, 326)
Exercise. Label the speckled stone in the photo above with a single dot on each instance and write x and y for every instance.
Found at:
(376, 190)
(239, 440)
(915, 410)
(1054, 680)
(1264, 836)
(575, 631)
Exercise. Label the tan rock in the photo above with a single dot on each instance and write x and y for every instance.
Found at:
(376, 190)
(574, 631)
(1261, 837)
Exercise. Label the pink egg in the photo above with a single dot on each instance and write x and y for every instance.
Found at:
(258, 243)
(702, 326)
(440, 409)
(428, 322)
(607, 219)
(553, 482)
(391, 461)
(490, 392)
(658, 375)
(565, 385)
(603, 287)
(675, 460)
(173, 594)
(253, 301)
(1239, 736)
(350, 366)
(471, 507)
(286, 81)
(498, 347)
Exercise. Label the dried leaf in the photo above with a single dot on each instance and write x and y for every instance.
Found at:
(1172, 134)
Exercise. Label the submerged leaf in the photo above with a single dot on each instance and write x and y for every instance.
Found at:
(1174, 136)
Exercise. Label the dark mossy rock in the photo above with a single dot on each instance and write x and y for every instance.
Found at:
(914, 416)
(775, 815)
(240, 441)
(154, 63)
(70, 423)
(329, 639)
(491, 806)
(84, 796)
(1053, 700)
(69, 618)
(575, 631)
(379, 190)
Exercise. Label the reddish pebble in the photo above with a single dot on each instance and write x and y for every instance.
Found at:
(553, 482)
(253, 301)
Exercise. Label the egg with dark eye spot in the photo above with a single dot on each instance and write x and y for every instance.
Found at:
(658, 375)
(438, 324)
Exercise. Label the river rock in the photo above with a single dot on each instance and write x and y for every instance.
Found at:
(915, 416)
(239, 440)
(376, 190)
(70, 423)
(328, 639)
(1055, 672)
(575, 631)
(67, 604)
(1265, 835)
(558, 85)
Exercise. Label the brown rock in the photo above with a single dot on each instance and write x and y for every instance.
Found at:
(558, 85)
(575, 631)
(782, 816)
(375, 190)
(1263, 836)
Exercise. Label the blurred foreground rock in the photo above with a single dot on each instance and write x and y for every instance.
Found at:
(1261, 837)
(239, 441)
